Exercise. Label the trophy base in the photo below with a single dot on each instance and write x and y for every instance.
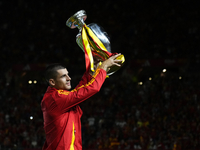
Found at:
(100, 47)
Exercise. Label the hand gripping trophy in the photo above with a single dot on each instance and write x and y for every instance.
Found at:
(93, 40)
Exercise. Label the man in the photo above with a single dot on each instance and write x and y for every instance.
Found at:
(60, 108)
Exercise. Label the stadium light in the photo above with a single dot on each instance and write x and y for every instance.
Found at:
(140, 83)
(164, 70)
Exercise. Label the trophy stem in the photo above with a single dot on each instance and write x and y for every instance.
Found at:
(77, 20)
(79, 23)
(93, 40)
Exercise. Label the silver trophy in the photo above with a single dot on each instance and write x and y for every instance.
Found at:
(77, 21)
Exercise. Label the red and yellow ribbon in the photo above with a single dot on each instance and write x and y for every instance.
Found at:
(86, 31)
(88, 53)
(88, 37)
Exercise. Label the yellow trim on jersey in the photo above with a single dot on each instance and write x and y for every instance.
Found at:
(73, 139)
(87, 84)
(63, 92)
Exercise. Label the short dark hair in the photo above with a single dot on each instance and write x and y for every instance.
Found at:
(51, 71)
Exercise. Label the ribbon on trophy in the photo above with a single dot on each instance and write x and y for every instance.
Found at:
(90, 40)
(93, 41)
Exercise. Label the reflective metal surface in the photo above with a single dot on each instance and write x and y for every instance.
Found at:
(77, 21)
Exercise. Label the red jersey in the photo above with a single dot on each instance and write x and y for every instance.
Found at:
(62, 114)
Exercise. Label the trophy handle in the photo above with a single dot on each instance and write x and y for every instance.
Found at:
(77, 20)
(102, 52)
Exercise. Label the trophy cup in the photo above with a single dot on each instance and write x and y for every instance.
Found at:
(93, 40)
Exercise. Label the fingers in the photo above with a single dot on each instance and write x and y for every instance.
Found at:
(112, 61)
(115, 56)
(116, 61)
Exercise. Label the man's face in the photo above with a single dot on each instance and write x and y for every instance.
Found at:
(62, 81)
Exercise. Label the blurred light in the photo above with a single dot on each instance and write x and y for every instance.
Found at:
(150, 78)
(140, 83)
(34, 81)
(30, 82)
(164, 70)
(31, 117)
(180, 78)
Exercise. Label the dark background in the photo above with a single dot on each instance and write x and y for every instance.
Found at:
(152, 35)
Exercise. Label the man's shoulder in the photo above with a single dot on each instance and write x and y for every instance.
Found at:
(48, 94)
(47, 100)
(63, 92)
(53, 94)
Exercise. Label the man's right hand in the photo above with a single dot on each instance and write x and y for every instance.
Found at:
(112, 61)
